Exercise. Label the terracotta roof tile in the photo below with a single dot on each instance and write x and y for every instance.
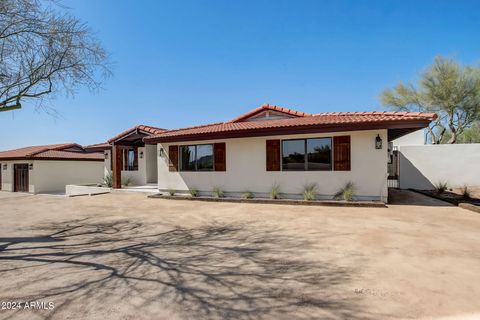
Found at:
(327, 119)
(52, 151)
(147, 129)
(267, 106)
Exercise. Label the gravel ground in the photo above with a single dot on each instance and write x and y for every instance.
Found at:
(123, 256)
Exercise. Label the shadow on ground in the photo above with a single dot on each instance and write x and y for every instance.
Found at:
(214, 271)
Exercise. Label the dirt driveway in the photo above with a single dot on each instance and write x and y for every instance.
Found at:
(123, 256)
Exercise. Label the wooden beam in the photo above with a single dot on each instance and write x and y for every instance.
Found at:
(117, 166)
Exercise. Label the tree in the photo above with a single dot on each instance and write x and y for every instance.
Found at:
(469, 135)
(43, 52)
(446, 88)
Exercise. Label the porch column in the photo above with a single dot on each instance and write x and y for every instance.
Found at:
(117, 167)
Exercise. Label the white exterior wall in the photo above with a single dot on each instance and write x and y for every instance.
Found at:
(416, 138)
(53, 176)
(246, 169)
(7, 176)
(421, 167)
(147, 167)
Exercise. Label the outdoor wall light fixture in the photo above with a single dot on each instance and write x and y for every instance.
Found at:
(141, 154)
(5, 166)
(30, 166)
(106, 154)
(378, 142)
(161, 153)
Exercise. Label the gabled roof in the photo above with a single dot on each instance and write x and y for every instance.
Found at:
(147, 130)
(98, 147)
(304, 123)
(51, 152)
(268, 107)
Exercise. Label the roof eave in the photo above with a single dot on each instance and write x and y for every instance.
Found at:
(291, 130)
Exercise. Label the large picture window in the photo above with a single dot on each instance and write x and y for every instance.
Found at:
(307, 154)
(196, 157)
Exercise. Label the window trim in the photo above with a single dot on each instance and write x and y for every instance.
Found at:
(305, 164)
(180, 157)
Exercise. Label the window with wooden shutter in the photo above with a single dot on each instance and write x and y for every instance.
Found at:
(219, 150)
(173, 158)
(273, 155)
(341, 153)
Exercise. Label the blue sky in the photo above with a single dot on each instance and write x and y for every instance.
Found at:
(181, 63)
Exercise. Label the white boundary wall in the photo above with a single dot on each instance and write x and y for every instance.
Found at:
(421, 167)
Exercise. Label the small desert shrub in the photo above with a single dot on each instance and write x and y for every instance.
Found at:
(275, 191)
(217, 192)
(247, 195)
(346, 192)
(465, 193)
(126, 181)
(310, 191)
(171, 192)
(108, 179)
(193, 192)
(441, 187)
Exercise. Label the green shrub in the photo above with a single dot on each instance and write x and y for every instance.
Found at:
(126, 182)
(275, 191)
(465, 193)
(193, 192)
(441, 187)
(247, 195)
(108, 179)
(217, 192)
(310, 191)
(346, 192)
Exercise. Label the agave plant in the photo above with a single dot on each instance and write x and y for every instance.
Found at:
(441, 187)
(217, 192)
(108, 179)
(247, 195)
(310, 191)
(171, 192)
(275, 191)
(193, 192)
(346, 192)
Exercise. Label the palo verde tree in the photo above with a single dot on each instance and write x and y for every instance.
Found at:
(43, 52)
(446, 88)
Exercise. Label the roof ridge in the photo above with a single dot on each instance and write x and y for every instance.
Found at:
(47, 147)
(267, 106)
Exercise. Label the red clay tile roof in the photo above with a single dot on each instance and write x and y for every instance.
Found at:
(50, 152)
(267, 106)
(98, 146)
(321, 122)
(149, 130)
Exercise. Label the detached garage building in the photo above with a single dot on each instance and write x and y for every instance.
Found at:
(49, 168)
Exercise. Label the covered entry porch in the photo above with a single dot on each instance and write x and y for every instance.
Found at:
(131, 163)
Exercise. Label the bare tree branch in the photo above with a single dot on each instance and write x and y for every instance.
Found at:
(44, 52)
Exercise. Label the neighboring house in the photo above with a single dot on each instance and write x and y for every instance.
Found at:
(46, 169)
(274, 145)
(135, 161)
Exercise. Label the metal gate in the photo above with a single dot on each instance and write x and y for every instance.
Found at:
(393, 169)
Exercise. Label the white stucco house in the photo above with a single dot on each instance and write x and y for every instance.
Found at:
(271, 145)
(49, 168)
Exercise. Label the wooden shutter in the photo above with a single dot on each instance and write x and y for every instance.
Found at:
(341, 153)
(219, 151)
(273, 155)
(173, 158)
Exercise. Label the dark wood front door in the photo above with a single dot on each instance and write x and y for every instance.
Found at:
(20, 177)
